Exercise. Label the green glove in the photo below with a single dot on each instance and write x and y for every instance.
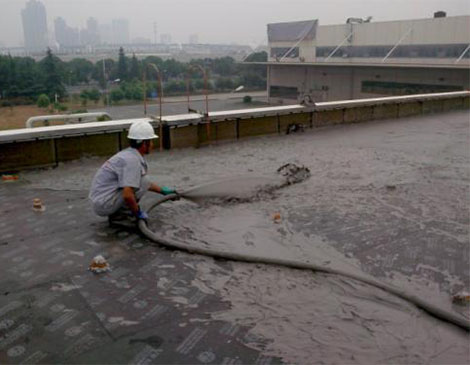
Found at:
(167, 191)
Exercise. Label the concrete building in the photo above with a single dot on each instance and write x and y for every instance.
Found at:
(120, 31)
(90, 36)
(193, 38)
(34, 26)
(106, 34)
(65, 36)
(141, 40)
(165, 38)
(361, 58)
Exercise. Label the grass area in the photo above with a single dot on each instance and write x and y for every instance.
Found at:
(16, 117)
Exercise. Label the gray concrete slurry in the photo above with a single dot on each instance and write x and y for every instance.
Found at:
(53, 310)
(389, 199)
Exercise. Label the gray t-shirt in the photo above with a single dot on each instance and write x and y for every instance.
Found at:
(126, 168)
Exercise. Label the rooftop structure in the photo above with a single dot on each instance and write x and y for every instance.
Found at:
(443, 40)
(364, 59)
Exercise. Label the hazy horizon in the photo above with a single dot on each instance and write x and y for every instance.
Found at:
(217, 21)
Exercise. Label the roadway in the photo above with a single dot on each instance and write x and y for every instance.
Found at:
(178, 105)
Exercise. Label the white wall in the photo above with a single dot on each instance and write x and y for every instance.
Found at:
(344, 82)
(449, 30)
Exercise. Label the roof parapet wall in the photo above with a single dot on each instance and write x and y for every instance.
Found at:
(47, 146)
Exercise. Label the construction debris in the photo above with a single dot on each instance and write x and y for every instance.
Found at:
(99, 265)
(10, 177)
(294, 173)
(461, 298)
(38, 206)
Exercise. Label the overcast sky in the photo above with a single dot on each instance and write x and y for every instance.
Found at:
(218, 21)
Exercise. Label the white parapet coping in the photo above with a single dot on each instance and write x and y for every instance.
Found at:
(389, 100)
(58, 131)
(256, 112)
(16, 135)
(182, 120)
(67, 118)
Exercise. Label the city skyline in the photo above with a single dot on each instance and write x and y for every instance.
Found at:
(220, 21)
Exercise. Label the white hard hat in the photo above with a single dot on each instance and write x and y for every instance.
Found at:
(141, 130)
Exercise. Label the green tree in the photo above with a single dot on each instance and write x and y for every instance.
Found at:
(224, 66)
(224, 83)
(199, 84)
(253, 79)
(132, 90)
(94, 94)
(24, 79)
(157, 61)
(122, 65)
(8, 77)
(172, 69)
(60, 107)
(52, 80)
(28, 78)
(247, 99)
(257, 57)
(134, 72)
(3, 76)
(254, 76)
(174, 86)
(79, 70)
(109, 69)
(12, 78)
(43, 101)
(84, 96)
(116, 95)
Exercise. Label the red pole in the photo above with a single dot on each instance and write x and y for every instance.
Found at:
(187, 85)
(206, 92)
(207, 109)
(145, 91)
(160, 106)
(160, 97)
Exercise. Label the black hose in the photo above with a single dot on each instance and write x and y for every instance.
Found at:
(420, 303)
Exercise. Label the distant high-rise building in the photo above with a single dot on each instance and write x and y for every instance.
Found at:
(65, 35)
(165, 38)
(34, 26)
(92, 34)
(141, 40)
(193, 39)
(155, 32)
(120, 31)
(106, 34)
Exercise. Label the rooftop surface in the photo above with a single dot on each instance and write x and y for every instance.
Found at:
(389, 199)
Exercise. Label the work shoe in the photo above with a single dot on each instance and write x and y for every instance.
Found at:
(122, 218)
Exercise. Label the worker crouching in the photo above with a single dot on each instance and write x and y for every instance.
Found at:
(122, 180)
